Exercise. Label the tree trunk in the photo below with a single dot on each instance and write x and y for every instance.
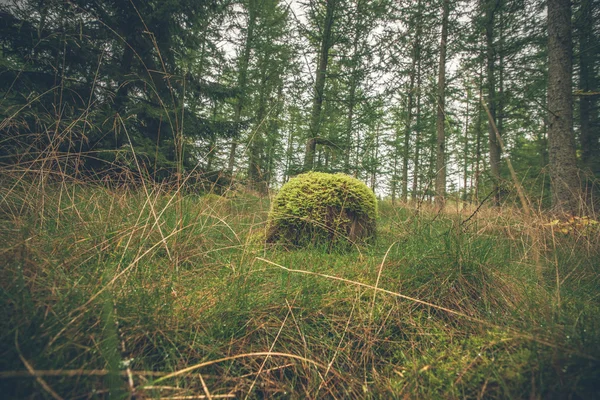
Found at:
(587, 83)
(242, 81)
(478, 148)
(375, 159)
(210, 157)
(256, 142)
(273, 138)
(353, 85)
(394, 182)
(321, 72)
(440, 179)
(490, 10)
(415, 183)
(564, 180)
(466, 150)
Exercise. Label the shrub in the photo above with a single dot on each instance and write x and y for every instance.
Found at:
(317, 208)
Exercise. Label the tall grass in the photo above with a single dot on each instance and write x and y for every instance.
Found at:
(131, 292)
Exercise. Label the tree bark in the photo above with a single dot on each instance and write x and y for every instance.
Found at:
(416, 54)
(242, 81)
(415, 182)
(564, 179)
(321, 72)
(491, 7)
(478, 143)
(358, 33)
(440, 179)
(466, 149)
(587, 83)
(256, 142)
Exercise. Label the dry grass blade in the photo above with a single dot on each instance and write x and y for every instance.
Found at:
(205, 388)
(379, 276)
(235, 357)
(73, 373)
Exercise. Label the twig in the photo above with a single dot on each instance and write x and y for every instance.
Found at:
(478, 207)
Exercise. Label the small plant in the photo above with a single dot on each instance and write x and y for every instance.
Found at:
(585, 226)
(322, 209)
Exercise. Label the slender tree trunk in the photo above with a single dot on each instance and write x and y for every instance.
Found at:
(256, 143)
(407, 129)
(564, 180)
(350, 125)
(375, 159)
(416, 55)
(289, 152)
(352, 90)
(440, 180)
(242, 81)
(321, 72)
(466, 149)
(415, 182)
(589, 137)
(500, 94)
(478, 149)
(210, 157)
(273, 138)
(491, 7)
(394, 182)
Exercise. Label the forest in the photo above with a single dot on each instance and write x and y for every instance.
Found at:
(145, 151)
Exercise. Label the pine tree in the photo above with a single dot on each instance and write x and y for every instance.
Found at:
(561, 140)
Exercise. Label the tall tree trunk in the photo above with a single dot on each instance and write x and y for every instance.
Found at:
(256, 142)
(491, 7)
(564, 180)
(353, 86)
(273, 138)
(500, 93)
(440, 179)
(350, 125)
(321, 72)
(394, 182)
(375, 159)
(478, 148)
(415, 182)
(587, 83)
(242, 81)
(416, 54)
(210, 157)
(466, 149)
(289, 151)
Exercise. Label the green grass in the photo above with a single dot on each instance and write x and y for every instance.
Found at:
(101, 285)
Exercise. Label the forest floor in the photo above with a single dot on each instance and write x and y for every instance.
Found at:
(148, 294)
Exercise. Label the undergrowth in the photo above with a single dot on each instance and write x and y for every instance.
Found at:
(153, 293)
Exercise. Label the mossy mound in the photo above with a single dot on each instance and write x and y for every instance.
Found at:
(322, 209)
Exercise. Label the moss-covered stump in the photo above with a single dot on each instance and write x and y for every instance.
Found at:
(316, 208)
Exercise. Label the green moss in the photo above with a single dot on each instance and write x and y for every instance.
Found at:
(322, 209)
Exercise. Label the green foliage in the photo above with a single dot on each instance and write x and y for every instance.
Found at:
(101, 77)
(323, 209)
